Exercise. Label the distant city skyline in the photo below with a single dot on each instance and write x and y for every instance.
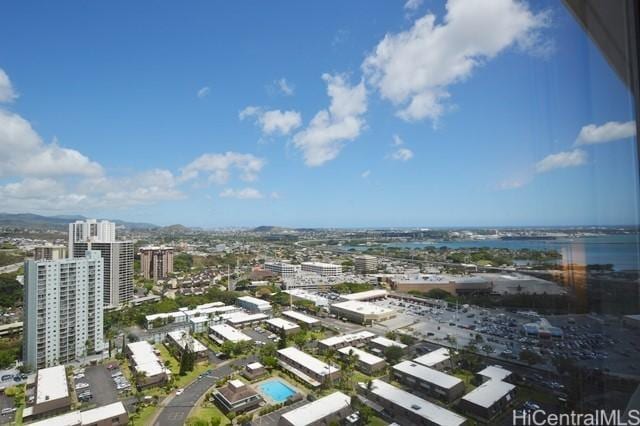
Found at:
(490, 113)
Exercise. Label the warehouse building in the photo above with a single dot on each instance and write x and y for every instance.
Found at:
(327, 410)
(307, 368)
(408, 408)
(362, 312)
(367, 363)
(429, 381)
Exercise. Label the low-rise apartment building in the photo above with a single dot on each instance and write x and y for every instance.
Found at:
(431, 382)
(307, 368)
(323, 411)
(367, 363)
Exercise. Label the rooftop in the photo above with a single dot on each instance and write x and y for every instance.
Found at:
(383, 341)
(88, 417)
(242, 317)
(364, 308)
(300, 317)
(495, 372)
(347, 338)
(314, 364)
(427, 374)
(318, 409)
(434, 357)
(254, 300)
(51, 384)
(488, 393)
(229, 333)
(145, 359)
(425, 409)
(363, 356)
(364, 295)
(282, 324)
(182, 339)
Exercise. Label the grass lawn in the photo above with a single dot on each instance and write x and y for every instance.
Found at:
(525, 394)
(376, 421)
(209, 411)
(198, 369)
(143, 417)
(466, 377)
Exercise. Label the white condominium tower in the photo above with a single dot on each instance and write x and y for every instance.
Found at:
(84, 231)
(63, 310)
(117, 255)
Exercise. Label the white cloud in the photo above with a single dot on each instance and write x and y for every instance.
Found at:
(365, 174)
(413, 4)
(242, 194)
(514, 183)
(218, 167)
(324, 137)
(414, 68)
(203, 92)
(274, 121)
(285, 87)
(608, 132)
(7, 94)
(275, 195)
(576, 157)
(402, 154)
(397, 141)
(23, 153)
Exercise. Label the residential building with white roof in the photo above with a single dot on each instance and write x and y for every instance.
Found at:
(367, 363)
(353, 339)
(254, 305)
(278, 324)
(439, 359)
(223, 332)
(488, 400)
(429, 381)
(407, 408)
(493, 372)
(183, 341)
(144, 360)
(323, 411)
(51, 393)
(301, 318)
(242, 319)
(107, 415)
(380, 343)
(308, 368)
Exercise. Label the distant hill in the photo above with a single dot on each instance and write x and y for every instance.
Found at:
(270, 229)
(28, 220)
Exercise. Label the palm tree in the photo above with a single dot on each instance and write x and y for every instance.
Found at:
(330, 356)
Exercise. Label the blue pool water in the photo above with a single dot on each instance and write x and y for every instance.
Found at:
(276, 390)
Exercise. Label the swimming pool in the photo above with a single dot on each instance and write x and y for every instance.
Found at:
(276, 390)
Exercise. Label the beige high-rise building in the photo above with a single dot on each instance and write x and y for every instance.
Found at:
(49, 252)
(156, 262)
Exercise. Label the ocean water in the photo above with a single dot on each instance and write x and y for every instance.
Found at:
(622, 251)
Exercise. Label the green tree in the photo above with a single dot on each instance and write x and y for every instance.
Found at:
(393, 354)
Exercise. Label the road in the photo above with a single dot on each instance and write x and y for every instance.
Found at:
(176, 411)
(10, 268)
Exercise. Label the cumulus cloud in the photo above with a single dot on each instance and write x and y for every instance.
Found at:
(576, 157)
(23, 153)
(413, 69)
(242, 194)
(218, 167)
(285, 87)
(413, 4)
(326, 134)
(7, 94)
(402, 154)
(203, 92)
(274, 121)
(612, 131)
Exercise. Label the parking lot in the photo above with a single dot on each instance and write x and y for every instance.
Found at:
(99, 385)
(260, 335)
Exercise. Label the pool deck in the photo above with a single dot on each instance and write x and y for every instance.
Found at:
(288, 384)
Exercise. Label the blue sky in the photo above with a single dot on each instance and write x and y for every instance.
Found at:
(340, 114)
